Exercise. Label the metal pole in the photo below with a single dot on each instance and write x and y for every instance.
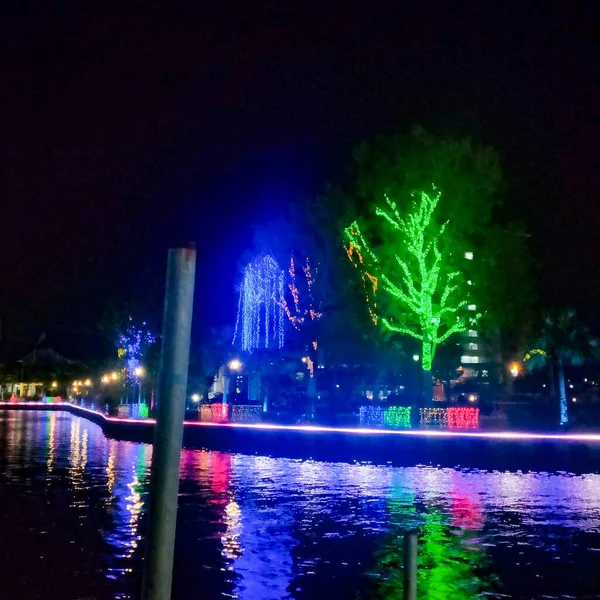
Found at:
(410, 565)
(164, 482)
(225, 383)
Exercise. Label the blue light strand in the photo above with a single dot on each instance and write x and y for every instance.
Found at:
(259, 321)
(135, 341)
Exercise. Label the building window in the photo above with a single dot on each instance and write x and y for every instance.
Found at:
(472, 346)
(469, 255)
(472, 306)
(472, 333)
(469, 360)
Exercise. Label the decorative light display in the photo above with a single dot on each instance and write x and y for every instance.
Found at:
(133, 344)
(534, 352)
(206, 413)
(428, 292)
(124, 411)
(434, 416)
(372, 416)
(139, 411)
(259, 322)
(245, 413)
(299, 313)
(397, 417)
(220, 412)
(463, 417)
(355, 243)
(214, 413)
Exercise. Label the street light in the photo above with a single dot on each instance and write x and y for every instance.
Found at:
(195, 397)
(54, 385)
(88, 382)
(233, 365)
(114, 376)
(105, 379)
(514, 369)
(416, 357)
(139, 373)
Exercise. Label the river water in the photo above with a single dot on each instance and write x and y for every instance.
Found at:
(72, 522)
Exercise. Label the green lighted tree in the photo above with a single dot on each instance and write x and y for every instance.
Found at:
(429, 294)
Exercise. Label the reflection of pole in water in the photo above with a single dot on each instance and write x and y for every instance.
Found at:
(450, 565)
(126, 480)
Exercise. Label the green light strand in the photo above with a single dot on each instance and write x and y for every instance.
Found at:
(427, 291)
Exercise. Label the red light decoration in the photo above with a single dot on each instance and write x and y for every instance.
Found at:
(220, 413)
(463, 417)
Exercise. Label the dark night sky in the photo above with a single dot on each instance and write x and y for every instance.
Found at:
(125, 130)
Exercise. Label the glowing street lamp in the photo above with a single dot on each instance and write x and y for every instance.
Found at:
(416, 357)
(54, 385)
(105, 379)
(114, 376)
(233, 365)
(195, 397)
(515, 369)
(139, 372)
(88, 382)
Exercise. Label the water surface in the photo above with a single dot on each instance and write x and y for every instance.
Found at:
(73, 503)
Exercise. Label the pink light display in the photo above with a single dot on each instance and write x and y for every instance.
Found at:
(214, 413)
(463, 417)
(220, 413)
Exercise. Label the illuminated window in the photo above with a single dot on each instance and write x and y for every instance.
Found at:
(472, 333)
(472, 307)
(469, 255)
(472, 346)
(469, 360)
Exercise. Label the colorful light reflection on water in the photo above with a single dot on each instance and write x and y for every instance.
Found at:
(74, 504)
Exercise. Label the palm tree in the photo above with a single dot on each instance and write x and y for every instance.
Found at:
(562, 342)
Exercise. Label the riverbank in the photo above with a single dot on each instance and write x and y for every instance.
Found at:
(502, 450)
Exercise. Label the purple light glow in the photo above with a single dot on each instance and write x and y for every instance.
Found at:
(490, 435)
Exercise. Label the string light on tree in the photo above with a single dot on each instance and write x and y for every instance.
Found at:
(431, 298)
(299, 312)
(133, 344)
(259, 322)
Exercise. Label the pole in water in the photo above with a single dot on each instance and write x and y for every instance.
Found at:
(166, 454)
(410, 565)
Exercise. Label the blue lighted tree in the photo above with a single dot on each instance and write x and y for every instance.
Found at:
(260, 318)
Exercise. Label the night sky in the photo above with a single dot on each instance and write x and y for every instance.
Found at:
(126, 130)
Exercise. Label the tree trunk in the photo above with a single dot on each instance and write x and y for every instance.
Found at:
(552, 380)
(428, 388)
(564, 415)
(312, 396)
(426, 364)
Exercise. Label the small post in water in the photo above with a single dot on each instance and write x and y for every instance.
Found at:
(410, 565)
(166, 454)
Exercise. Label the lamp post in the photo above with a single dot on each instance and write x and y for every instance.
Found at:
(139, 373)
(233, 365)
